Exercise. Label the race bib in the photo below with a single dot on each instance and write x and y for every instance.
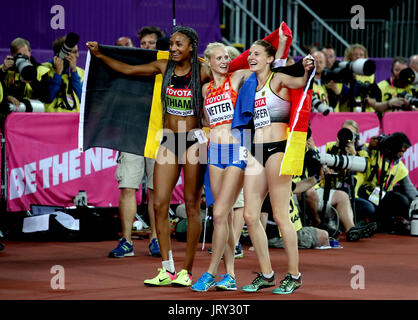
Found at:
(261, 113)
(243, 153)
(200, 136)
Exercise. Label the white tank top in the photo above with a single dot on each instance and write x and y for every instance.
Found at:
(268, 107)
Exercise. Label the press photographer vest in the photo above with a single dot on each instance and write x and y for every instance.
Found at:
(18, 89)
(384, 175)
(66, 99)
(320, 92)
(389, 90)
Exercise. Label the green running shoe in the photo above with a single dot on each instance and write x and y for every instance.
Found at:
(288, 285)
(162, 279)
(258, 283)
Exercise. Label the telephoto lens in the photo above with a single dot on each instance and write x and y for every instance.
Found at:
(26, 69)
(70, 42)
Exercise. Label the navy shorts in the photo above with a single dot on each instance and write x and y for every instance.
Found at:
(225, 155)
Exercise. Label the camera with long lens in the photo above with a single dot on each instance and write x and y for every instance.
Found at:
(27, 105)
(344, 162)
(321, 107)
(314, 161)
(343, 70)
(25, 68)
(346, 136)
(71, 40)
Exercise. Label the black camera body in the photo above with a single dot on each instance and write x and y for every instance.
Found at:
(410, 99)
(25, 68)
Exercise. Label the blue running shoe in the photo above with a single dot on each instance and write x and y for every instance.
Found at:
(154, 248)
(124, 249)
(205, 282)
(227, 283)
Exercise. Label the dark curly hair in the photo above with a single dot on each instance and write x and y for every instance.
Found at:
(196, 86)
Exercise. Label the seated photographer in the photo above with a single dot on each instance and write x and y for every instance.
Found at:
(397, 90)
(386, 184)
(23, 78)
(334, 198)
(320, 100)
(65, 77)
(308, 236)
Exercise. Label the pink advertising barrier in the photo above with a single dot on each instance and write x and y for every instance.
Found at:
(325, 128)
(45, 167)
(406, 122)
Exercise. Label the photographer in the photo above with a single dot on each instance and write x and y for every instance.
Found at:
(64, 76)
(386, 183)
(322, 199)
(394, 89)
(320, 100)
(22, 77)
(356, 73)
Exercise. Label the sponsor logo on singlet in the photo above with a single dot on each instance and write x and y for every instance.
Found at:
(220, 109)
(179, 102)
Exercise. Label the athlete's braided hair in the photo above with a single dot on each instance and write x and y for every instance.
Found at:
(195, 83)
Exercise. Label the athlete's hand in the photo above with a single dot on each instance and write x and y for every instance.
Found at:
(308, 63)
(93, 47)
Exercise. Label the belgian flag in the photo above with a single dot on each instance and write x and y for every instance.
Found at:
(121, 112)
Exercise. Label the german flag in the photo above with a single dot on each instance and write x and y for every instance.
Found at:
(121, 112)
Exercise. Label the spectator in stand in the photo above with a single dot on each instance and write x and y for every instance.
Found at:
(65, 80)
(329, 53)
(124, 42)
(394, 88)
(18, 89)
(148, 37)
(232, 52)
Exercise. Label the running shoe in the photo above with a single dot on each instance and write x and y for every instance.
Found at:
(369, 230)
(354, 234)
(162, 279)
(124, 249)
(258, 283)
(227, 283)
(184, 279)
(239, 254)
(288, 285)
(205, 282)
(154, 248)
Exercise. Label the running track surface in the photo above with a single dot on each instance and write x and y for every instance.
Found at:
(390, 265)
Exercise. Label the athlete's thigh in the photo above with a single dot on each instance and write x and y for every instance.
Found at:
(166, 174)
(255, 186)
